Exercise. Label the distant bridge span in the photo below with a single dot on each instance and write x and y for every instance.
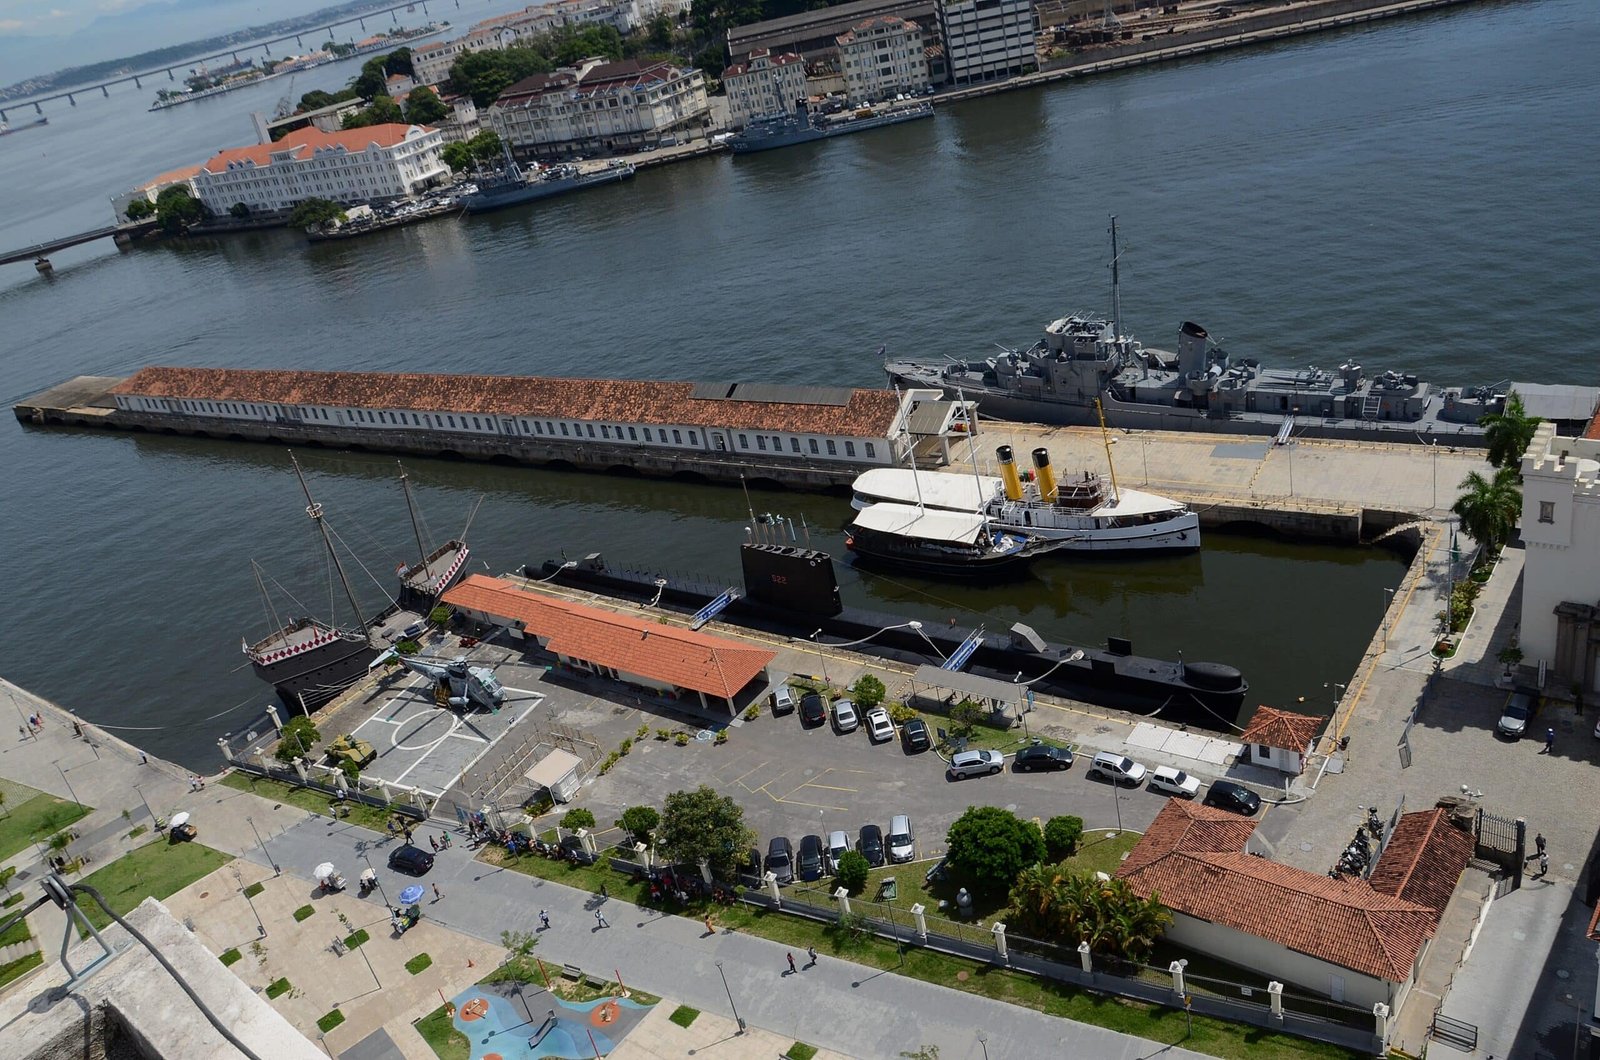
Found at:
(39, 250)
(37, 102)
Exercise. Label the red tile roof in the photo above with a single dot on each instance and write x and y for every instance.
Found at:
(1192, 858)
(670, 654)
(603, 78)
(738, 69)
(878, 22)
(172, 176)
(306, 141)
(1424, 859)
(868, 413)
(1593, 430)
(1270, 727)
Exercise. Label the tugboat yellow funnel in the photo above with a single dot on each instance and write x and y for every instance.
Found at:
(1008, 473)
(1047, 476)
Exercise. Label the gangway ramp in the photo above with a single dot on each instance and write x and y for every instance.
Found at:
(714, 608)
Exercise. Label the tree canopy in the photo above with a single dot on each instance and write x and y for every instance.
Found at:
(139, 209)
(382, 111)
(989, 847)
(702, 825)
(298, 737)
(424, 107)
(1054, 904)
(484, 147)
(640, 822)
(314, 211)
(1490, 507)
(484, 75)
(177, 209)
(1509, 432)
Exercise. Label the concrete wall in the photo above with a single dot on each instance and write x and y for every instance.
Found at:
(1279, 758)
(1268, 958)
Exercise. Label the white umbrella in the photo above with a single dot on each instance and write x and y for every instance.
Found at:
(323, 871)
(180, 819)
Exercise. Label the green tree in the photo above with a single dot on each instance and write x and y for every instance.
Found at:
(486, 146)
(139, 209)
(424, 107)
(372, 81)
(177, 209)
(852, 871)
(457, 155)
(484, 75)
(573, 820)
(314, 211)
(1490, 507)
(239, 210)
(399, 62)
(441, 615)
(383, 111)
(1052, 903)
(1508, 433)
(299, 736)
(5, 876)
(351, 771)
(868, 692)
(1061, 835)
(964, 717)
(989, 846)
(640, 822)
(701, 824)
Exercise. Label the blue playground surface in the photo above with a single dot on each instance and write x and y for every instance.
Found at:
(496, 1023)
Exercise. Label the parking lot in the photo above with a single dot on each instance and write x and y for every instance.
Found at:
(796, 781)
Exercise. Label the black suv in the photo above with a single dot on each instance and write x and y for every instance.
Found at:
(1226, 795)
(780, 859)
(1041, 756)
(809, 864)
(871, 845)
(813, 710)
(410, 860)
(914, 736)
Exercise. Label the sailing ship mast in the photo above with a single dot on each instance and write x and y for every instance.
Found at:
(314, 510)
(1116, 286)
(1105, 436)
(416, 530)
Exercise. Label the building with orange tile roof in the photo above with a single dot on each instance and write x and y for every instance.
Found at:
(763, 85)
(721, 675)
(1343, 938)
(152, 188)
(1281, 739)
(347, 166)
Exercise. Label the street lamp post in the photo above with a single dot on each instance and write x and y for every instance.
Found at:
(251, 821)
(983, 1040)
(731, 1005)
(1388, 603)
(381, 893)
(67, 782)
(1116, 800)
(146, 802)
(817, 639)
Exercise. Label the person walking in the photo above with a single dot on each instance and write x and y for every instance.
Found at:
(604, 894)
(1549, 741)
(1544, 863)
(407, 830)
(711, 928)
(811, 953)
(1538, 841)
(600, 920)
(544, 920)
(438, 895)
(792, 968)
(444, 840)
(434, 843)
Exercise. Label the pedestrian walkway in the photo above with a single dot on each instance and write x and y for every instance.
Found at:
(847, 1007)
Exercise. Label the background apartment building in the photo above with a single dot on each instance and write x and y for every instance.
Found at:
(883, 57)
(767, 84)
(987, 39)
(355, 165)
(599, 108)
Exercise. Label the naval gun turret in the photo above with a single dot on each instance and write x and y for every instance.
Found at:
(455, 684)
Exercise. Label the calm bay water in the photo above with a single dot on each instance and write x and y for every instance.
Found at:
(1417, 194)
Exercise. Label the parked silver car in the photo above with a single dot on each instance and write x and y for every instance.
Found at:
(845, 718)
(976, 764)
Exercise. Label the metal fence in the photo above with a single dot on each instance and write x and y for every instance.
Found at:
(1316, 1019)
(1501, 840)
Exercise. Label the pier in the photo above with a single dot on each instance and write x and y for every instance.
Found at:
(39, 252)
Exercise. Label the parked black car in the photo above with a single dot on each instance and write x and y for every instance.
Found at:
(871, 845)
(780, 859)
(410, 860)
(1041, 756)
(809, 864)
(813, 710)
(1226, 795)
(914, 736)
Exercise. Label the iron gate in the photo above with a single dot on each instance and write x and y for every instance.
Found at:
(1502, 840)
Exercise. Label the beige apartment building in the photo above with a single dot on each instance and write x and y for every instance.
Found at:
(882, 57)
(765, 85)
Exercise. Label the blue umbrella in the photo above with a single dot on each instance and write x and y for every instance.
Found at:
(411, 895)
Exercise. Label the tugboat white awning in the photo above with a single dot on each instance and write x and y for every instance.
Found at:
(907, 520)
(939, 489)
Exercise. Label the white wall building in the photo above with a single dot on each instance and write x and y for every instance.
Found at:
(355, 165)
(432, 62)
(881, 58)
(600, 109)
(151, 189)
(987, 39)
(768, 84)
(1561, 568)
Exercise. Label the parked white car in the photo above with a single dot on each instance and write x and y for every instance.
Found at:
(1119, 769)
(879, 727)
(1169, 781)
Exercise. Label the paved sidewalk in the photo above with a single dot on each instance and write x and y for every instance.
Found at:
(839, 1005)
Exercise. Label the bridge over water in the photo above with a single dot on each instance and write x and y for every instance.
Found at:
(104, 87)
(39, 251)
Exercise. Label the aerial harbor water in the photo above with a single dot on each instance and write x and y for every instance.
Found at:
(1414, 194)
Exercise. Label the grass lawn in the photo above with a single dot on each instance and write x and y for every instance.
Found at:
(37, 817)
(307, 799)
(439, 1031)
(305, 912)
(155, 870)
(330, 1021)
(17, 932)
(800, 1051)
(229, 957)
(13, 900)
(356, 938)
(1217, 1037)
(418, 964)
(278, 987)
(683, 1015)
(20, 967)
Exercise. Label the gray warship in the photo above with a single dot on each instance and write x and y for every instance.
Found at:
(1082, 360)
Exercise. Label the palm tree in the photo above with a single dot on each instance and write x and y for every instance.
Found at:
(1489, 508)
(1508, 433)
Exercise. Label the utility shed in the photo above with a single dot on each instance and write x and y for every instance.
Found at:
(557, 773)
